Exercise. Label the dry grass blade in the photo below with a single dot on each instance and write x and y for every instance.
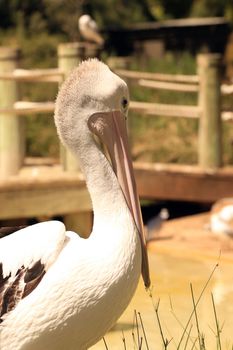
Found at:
(105, 344)
(194, 344)
(156, 309)
(135, 325)
(123, 339)
(143, 330)
(200, 337)
(188, 337)
(197, 302)
(140, 344)
(137, 328)
(219, 345)
(182, 326)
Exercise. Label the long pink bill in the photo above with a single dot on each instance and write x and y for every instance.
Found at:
(111, 129)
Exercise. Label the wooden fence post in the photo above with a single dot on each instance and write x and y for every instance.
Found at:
(210, 133)
(69, 55)
(11, 138)
(92, 50)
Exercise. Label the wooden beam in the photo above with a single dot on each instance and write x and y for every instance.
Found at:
(164, 85)
(59, 193)
(183, 182)
(157, 76)
(227, 116)
(227, 89)
(167, 110)
(26, 107)
(48, 75)
(36, 198)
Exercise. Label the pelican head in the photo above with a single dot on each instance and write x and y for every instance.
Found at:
(93, 104)
(84, 20)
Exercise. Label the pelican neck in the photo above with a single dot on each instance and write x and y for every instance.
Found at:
(106, 194)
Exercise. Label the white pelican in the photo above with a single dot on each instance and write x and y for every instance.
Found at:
(89, 30)
(221, 217)
(57, 290)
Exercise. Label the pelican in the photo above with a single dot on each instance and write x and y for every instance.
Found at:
(57, 290)
(221, 217)
(89, 30)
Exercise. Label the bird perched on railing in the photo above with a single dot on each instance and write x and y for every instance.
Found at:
(89, 30)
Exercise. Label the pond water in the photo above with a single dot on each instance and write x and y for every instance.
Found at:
(171, 278)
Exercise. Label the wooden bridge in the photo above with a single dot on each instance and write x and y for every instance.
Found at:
(44, 188)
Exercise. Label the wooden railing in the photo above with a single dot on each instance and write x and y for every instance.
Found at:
(58, 194)
(207, 84)
(11, 139)
(46, 195)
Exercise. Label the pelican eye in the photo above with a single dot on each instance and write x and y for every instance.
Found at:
(124, 103)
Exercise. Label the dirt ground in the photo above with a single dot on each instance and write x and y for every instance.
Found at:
(191, 236)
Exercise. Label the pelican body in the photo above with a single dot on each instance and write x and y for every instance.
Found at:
(59, 291)
(221, 217)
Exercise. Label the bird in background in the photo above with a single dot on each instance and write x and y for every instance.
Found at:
(221, 217)
(155, 224)
(89, 30)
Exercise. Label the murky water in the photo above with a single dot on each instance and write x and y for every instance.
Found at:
(171, 278)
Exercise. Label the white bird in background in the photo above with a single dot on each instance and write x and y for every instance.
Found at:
(89, 30)
(57, 290)
(221, 217)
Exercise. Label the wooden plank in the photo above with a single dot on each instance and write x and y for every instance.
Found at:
(130, 74)
(26, 107)
(164, 85)
(48, 75)
(227, 89)
(182, 182)
(38, 201)
(227, 116)
(60, 193)
(51, 178)
(149, 108)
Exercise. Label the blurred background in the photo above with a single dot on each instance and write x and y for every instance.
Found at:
(132, 27)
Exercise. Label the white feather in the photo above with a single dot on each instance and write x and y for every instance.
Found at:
(25, 247)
